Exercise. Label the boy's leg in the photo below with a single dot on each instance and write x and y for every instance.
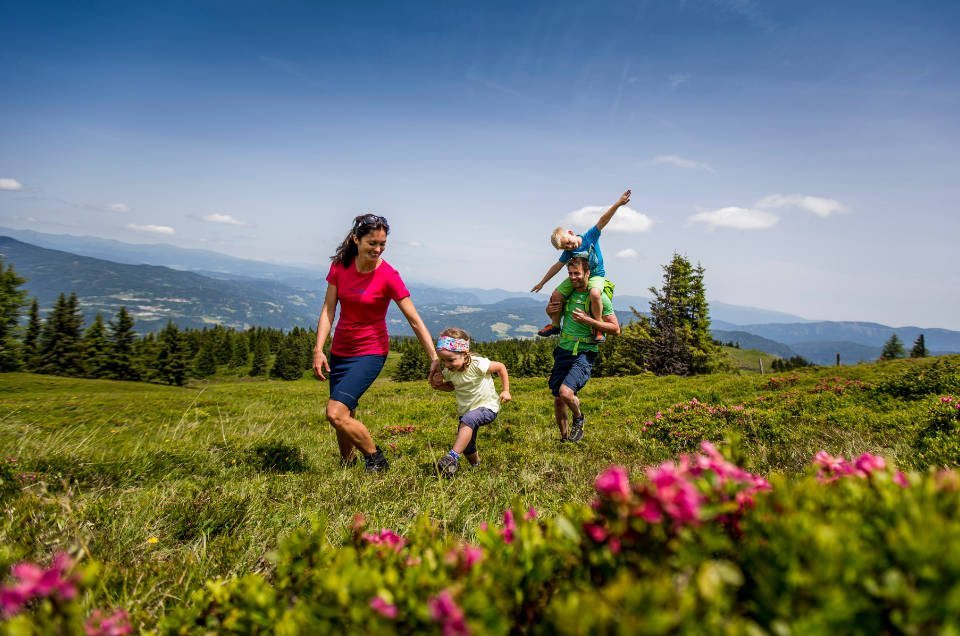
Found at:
(596, 286)
(555, 307)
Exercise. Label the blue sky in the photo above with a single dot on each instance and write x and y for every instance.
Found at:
(806, 153)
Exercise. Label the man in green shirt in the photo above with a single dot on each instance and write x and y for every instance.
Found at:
(577, 349)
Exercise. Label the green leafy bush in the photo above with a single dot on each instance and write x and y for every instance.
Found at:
(941, 377)
(938, 442)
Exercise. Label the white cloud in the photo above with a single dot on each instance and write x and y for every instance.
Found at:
(415, 244)
(626, 220)
(680, 162)
(152, 229)
(677, 79)
(10, 184)
(118, 207)
(820, 206)
(627, 253)
(736, 218)
(223, 218)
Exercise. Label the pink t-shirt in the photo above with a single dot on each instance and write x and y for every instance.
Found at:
(364, 298)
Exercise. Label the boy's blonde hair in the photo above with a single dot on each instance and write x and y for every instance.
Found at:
(558, 234)
(456, 332)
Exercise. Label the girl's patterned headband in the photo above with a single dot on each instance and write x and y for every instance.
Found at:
(457, 345)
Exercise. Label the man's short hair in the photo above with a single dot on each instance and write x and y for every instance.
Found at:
(580, 261)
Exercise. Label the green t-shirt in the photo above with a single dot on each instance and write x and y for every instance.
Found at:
(577, 336)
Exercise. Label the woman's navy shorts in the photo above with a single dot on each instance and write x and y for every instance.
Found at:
(569, 369)
(351, 376)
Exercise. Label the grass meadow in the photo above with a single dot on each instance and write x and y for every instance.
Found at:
(167, 487)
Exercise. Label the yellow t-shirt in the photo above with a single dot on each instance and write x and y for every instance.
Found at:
(473, 387)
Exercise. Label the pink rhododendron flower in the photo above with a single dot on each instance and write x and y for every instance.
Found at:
(116, 624)
(465, 555)
(673, 494)
(531, 514)
(509, 526)
(386, 537)
(595, 531)
(444, 610)
(868, 463)
(901, 479)
(614, 483)
(380, 606)
(37, 582)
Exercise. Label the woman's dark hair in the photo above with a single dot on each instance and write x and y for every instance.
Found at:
(362, 225)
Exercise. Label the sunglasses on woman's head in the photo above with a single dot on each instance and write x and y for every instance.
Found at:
(369, 219)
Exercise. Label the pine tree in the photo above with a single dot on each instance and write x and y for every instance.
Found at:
(892, 349)
(680, 322)
(31, 337)
(122, 338)
(60, 351)
(919, 349)
(171, 360)
(240, 353)
(288, 364)
(628, 353)
(11, 300)
(97, 354)
(261, 357)
(223, 344)
(205, 364)
(413, 365)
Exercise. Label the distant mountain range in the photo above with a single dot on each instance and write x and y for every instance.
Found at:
(195, 288)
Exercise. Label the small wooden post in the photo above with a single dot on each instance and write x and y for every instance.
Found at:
(838, 359)
(761, 365)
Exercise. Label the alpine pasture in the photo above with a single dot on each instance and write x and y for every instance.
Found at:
(158, 492)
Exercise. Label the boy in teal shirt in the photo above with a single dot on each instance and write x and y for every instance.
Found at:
(586, 245)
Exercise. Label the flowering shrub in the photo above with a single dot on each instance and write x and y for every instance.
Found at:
(838, 386)
(42, 600)
(782, 381)
(938, 440)
(399, 429)
(683, 425)
(697, 545)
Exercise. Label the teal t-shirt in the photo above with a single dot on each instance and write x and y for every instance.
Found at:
(575, 336)
(589, 249)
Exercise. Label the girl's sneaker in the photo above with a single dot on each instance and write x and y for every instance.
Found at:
(447, 466)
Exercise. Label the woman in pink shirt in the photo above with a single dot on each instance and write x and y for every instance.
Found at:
(363, 284)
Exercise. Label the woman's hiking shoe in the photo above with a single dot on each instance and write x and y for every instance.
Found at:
(576, 429)
(549, 330)
(447, 466)
(376, 462)
(599, 337)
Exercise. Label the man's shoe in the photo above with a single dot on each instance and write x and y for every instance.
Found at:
(376, 462)
(599, 337)
(576, 429)
(447, 466)
(549, 330)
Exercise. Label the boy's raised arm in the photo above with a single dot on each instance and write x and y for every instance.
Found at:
(556, 267)
(605, 218)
